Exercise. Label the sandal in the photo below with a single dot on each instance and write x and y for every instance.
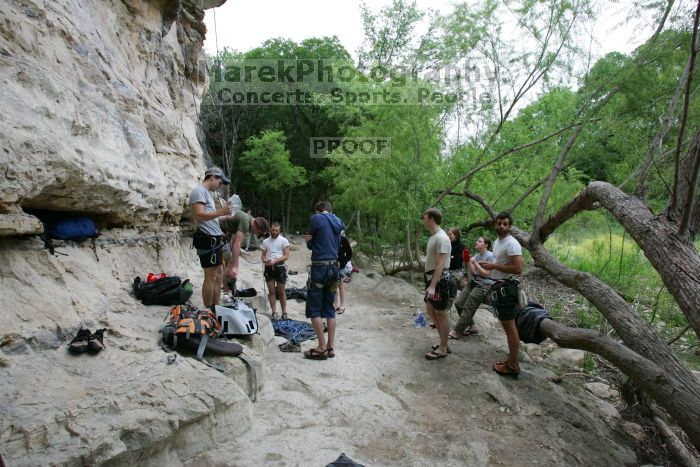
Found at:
(274, 316)
(470, 332)
(504, 369)
(434, 355)
(314, 354)
(437, 346)
(340, 310)
(285, 317)
(331, 352)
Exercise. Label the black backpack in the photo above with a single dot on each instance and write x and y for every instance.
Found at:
(166, 291)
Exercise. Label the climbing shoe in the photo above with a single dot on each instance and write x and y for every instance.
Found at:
(79, 344)
(95, 342)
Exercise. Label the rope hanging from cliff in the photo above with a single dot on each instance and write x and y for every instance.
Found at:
(221, 105)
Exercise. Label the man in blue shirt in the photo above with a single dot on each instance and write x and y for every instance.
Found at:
(323, 239)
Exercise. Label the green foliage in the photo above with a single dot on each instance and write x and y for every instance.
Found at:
(268, 161)
(394, 189)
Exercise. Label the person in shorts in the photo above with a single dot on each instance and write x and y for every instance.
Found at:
(323, 239)
(275, 252)
(345, 271)
(508, 261)
(236, 227)
(208, 238)
(437, 302)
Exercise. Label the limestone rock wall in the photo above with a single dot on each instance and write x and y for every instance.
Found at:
(99, 116)
(99, 108)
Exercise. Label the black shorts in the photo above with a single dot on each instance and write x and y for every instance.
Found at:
(211, 259)
(277, 273)
(440, 301)
(504, 298)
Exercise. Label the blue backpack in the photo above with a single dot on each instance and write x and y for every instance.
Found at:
(75, 228)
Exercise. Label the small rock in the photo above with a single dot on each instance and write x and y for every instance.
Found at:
(607, 410)
(567, 358)
(634, 430)
(601, 390)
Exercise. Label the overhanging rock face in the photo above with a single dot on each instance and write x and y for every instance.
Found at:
(100, 107)
(99, 116)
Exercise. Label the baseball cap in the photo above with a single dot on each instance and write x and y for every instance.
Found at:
(217, 172)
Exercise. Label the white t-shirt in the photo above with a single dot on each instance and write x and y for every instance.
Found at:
(503, 249)
(439, 243)
(274, 247)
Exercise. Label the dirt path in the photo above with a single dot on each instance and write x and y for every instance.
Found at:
(382, 403)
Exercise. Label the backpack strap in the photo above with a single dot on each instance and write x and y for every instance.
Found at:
(253, 378)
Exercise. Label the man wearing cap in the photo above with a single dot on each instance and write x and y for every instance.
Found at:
(237, 226)
(208, 238)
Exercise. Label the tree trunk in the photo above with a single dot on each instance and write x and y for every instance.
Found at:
(674, 258)
(675, 388)
(679, 400)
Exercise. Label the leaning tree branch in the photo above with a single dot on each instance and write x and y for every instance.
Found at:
(671, 384)
(678, 450)
(684, 117)
(648, 375)
(674, 257)
(473, 171)
(693, 158)
(639, 339)
(558, 167)
(662, 22)
(664, 127)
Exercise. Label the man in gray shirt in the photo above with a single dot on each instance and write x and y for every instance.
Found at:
(208, 239)
(438, 260)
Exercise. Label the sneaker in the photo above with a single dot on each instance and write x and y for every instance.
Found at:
(289, 347)
(79, 344)
(95, 343)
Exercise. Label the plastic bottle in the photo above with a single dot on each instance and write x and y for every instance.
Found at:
(236, 203)
(420, 319)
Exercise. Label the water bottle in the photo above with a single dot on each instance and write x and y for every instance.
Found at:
(420, 319)
(236, 203)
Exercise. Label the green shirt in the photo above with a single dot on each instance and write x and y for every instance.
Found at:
(239, 223)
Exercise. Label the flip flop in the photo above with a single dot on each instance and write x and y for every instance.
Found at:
(435, 355)
(340, 310)
(437, 346)
(331, 352)
(450, 336)
(314, 354)
(470, 332)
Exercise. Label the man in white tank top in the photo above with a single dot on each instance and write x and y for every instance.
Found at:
(508, 262)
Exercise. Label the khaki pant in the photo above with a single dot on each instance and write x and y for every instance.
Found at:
(466, 303)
